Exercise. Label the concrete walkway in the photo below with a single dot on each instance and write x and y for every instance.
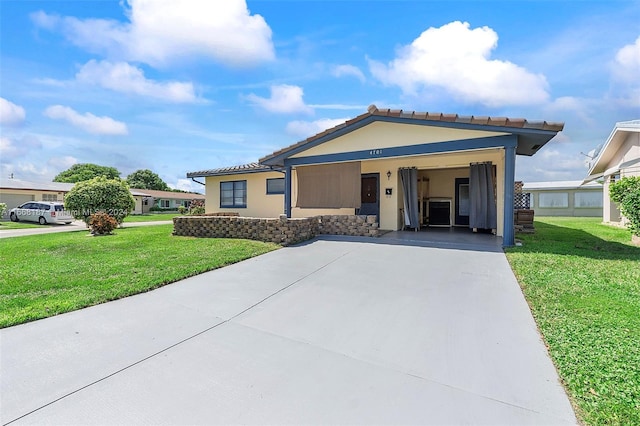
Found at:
(76, 225)
(326, 332)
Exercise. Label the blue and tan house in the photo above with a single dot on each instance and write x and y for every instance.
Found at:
(410, 169)
(619, 157)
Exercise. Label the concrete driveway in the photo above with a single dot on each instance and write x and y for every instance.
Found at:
(333, 331)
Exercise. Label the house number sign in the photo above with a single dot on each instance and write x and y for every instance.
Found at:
(375, 152)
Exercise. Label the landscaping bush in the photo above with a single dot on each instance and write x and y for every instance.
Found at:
(3, 208)
(196, 207)
(626, 192)
(182, 209)
(100, 194)
(102, 224)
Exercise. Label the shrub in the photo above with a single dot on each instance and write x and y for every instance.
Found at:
(3, 208)
(626, 192)
(196, 207)
(100, 194)
(182, 209)
(101, 223)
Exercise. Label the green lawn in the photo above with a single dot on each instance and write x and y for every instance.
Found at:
(45, 275)
(152, 217)
(582, 281)
(18, 225)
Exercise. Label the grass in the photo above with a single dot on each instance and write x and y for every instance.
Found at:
(150, 217)
(17, 225)
(582, 281)
(45, 275)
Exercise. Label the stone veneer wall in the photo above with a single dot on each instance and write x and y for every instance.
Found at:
(282, 230)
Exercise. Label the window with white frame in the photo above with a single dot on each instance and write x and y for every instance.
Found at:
(553, 200)
(165, 204)
(233, 194)
(588, 199)
(275, 186)
(49, 197)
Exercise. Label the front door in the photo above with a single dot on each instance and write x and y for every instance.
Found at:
(370, 195)
(462, 202)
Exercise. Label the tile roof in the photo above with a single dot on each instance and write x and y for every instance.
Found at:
(233, 170)
(373, 111)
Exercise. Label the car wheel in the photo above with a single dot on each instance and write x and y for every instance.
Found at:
(13, 217)
(42, 220)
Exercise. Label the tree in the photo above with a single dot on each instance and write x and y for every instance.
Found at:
(146, 179)
(86, 171)
(626, 192)
(110, 196)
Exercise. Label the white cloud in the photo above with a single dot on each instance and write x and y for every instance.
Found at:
(626, 72)
(160, 32)
(456, 59)
(339, 106)
(62, 163)
(303, 129)
(284, 99)
(347, 70)
(87, 122)
(10, 113)
(186, 185)
(126, 78)
(12, 149)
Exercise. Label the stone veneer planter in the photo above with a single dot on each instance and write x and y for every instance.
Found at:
(281, 230)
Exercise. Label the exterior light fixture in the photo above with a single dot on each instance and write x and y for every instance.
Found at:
(389, 175)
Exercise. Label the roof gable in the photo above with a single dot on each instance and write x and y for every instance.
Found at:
(615, 140)
(532, 135)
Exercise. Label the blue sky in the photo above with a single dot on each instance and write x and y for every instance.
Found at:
(179, 86)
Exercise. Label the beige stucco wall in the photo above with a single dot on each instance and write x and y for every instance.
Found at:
(36, 194)
(259, 203)
(381, 135)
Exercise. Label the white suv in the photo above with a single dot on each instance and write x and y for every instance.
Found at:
(42, 212)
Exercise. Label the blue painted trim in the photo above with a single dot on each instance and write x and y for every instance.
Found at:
(234, 206)
(287, 191)
(279, 159)
(508, 232)
(402, 151)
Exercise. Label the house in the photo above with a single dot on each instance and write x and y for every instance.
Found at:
(410, 169)
(163, 200)
(619, 157)
(14, 192)
(565, 198)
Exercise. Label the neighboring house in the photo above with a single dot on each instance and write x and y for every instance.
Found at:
(411, 169)
(166, 200)
(619, 157)
(565, 198)
(14, 192)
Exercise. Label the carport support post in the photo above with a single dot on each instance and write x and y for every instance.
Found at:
(508, 237)
(287, 191)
